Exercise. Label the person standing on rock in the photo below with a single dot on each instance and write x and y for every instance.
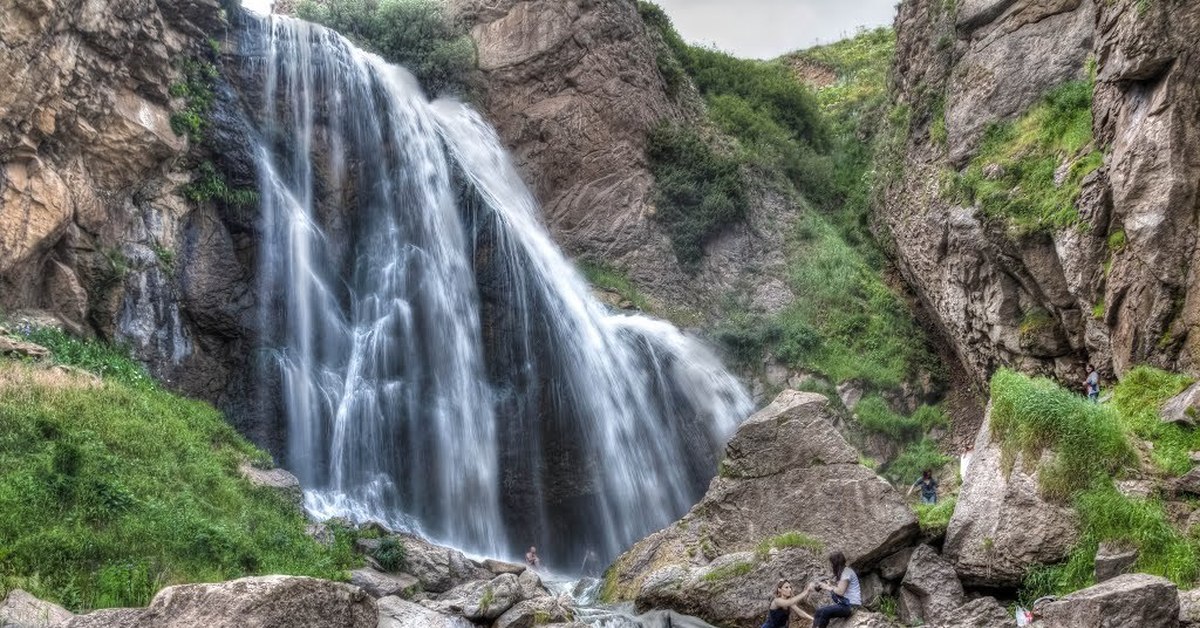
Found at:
(928, 487)
(846, 592)
(784, 603)
(1091, 385)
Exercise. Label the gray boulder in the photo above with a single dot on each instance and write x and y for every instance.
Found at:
(481, 600)
(1189, 608)
(380, 584)
(1114, 559)
(537, 612)
(262, 602)
(273, 479)
(439, 568)
(787, 471)
(1130, 600)
(1001, 524)
(21, 610)
(984, 612)
(931, 590)
(1184, 408)
(397, 613)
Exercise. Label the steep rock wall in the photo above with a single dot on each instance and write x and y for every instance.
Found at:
(1117, 289)
(573, 89)
(95, 227)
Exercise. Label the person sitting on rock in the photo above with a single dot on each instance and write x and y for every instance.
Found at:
(531, 558)
(783, 603)
(846, 592)
(928, 487)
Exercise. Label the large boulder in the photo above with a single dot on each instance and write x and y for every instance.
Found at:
(536, 612)
(790, 489)
(930, 591)
(439, 568)
(380, 584)
(261, 602)
(481, 600)
(984, 612)
(1130, 600)
(397, 613)
(1001, 524)
(21, 610)
(1184, 408)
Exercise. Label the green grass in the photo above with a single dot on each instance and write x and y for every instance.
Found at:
(915, 458)
(417, 34)
(1028, 153)
(1138, 397)
(608, 278)
(787, 540)
(1031, 415)
(875, 416)
(728, 572)
(1091, 447)
(112, 491)
(934, 518)
(110, 362)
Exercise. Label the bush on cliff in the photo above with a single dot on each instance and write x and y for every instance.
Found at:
(114, 490)
(417, 34)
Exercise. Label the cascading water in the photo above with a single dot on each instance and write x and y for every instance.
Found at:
(442, 367)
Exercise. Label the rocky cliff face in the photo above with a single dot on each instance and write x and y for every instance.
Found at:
(1118, 289)
(573, 89)
(95, 228)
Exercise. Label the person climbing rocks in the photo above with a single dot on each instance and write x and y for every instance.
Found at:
(1091, 385)
(531, 558)
(846, 592)
(783, 603)
(928, 486)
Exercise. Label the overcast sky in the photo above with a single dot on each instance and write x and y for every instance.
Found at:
(768, 28)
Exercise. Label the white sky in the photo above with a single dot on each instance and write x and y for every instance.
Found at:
(765, 29)
(759, 28)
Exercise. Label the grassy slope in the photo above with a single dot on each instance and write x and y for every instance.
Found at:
(1093, 446)
(113, 490)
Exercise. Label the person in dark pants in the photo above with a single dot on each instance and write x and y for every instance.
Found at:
(1091, 385)
(783, 603)
(928, 487)
(846, 592)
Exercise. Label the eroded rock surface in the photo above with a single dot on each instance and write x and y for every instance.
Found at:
(21, 610)
(1116, 290)
(1129, 600)
(787, 471)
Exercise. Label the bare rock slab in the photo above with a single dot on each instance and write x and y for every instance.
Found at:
(1130, 600)
(21, 610)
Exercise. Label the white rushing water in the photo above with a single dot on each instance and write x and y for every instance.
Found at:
(442, 366)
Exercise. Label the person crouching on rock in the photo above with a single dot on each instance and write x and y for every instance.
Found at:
(784, 603)
(531, 558)
(846, 592)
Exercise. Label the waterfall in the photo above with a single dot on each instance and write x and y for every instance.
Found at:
(442, 367)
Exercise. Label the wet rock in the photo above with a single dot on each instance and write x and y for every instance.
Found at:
(261, 601)
(1114, 559)
(1129, 600)
(481, 600)
(21, 610)
(536, 612)
(439, 568)
(1001, 525)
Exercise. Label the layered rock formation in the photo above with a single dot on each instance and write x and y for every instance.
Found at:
(95, 227)
(1118, 290)
(790, 489)
(573, 89)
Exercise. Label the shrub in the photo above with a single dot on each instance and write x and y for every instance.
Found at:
(1031, 415)
(698, 191)
(915, 458)
(391, 554)
(417, 34)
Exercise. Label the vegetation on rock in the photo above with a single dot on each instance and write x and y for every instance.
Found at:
(115, 489)
(417, 34)
(1030, 172)
(1091, 445)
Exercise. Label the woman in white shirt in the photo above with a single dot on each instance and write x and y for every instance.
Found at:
(846, 592)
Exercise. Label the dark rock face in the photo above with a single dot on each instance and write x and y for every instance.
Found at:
(1115, 305)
